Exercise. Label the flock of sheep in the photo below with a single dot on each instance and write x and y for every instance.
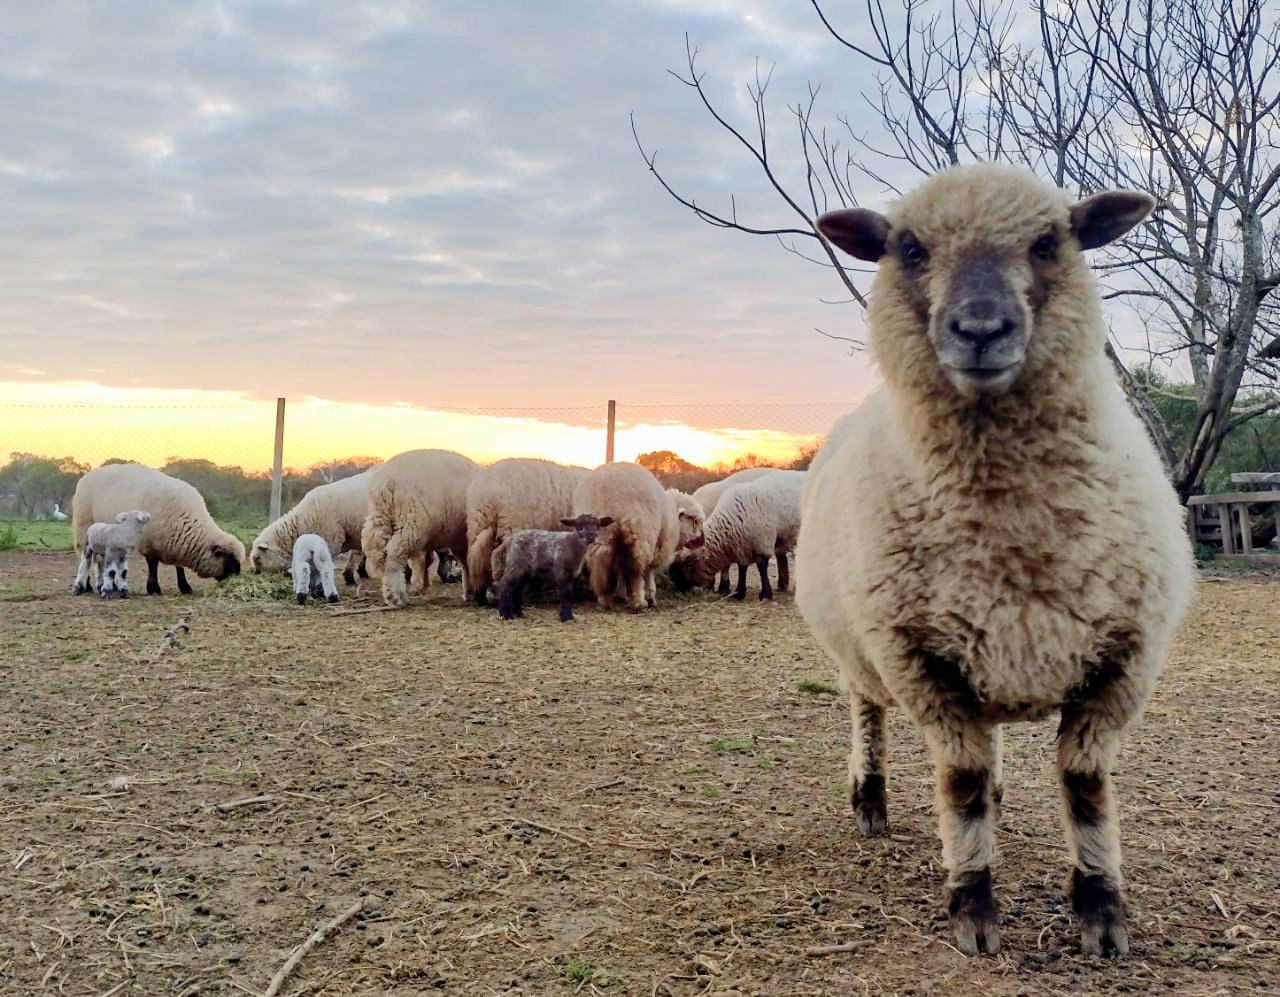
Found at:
(990, 538)
(507, 523)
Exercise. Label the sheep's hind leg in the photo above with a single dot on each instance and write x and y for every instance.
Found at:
(723, 587)
(1088, 739)
(81, 584)
(867, 793)
(784, 569)
(153, 575)
(740, 592)
(762, 566)
(184, 586)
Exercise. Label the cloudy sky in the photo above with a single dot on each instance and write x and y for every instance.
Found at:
(434, 202)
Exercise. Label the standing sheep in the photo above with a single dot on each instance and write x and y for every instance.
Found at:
(642, 538)
(531, 552)
(109, 544)
(708, 496)
(752, 522)
(312, 569)
(335, 511)
(519, 493)
(991, 537)
(417, 503)
(181, 532)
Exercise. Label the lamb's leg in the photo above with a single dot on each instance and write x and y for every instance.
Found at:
(867, 793)
(184, 586)
(740, 592)
(153, 575)
(302, 582)
(784, 569)
(762, 566)
(354, 560)
(1088, 739)
(81, 585)
(566, 600)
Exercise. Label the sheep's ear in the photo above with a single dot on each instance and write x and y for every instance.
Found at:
(1104, 217)
(606, 521)
(860, 232)
(568, 522)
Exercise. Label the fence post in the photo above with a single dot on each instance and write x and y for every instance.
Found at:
(608, 433)
(277, 465)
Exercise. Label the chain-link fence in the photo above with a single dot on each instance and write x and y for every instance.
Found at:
(227, 451)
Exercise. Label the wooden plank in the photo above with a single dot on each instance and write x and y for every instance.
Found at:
(1251, 497)
(1246, 528)
(1224, 518)
(1256, 478)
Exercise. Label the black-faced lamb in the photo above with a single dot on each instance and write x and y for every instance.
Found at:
(312, 569)
(181, 532)
(561, 555)
(109, 544)
(991, 537)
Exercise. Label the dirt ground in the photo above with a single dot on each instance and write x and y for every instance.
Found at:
(626, 805)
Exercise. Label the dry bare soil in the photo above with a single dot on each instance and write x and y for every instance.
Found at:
(626, 805)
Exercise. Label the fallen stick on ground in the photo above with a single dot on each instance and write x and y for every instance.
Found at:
(833, 949)
(607, 842)
(248, 801)
(362, 611)
(170, 639)
(314, 939)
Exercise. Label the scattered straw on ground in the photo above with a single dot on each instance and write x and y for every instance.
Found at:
(623, 805)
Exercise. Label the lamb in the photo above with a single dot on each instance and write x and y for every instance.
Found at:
(991, 537)
(312, 569)
(336, 512)
(641, 540)
(417, 503)
(109, 544)
(709, 495)
(514, 494)
(752, 522)
(530, 552)
(180, 532)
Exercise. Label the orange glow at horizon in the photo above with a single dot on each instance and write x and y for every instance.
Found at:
(92, 423)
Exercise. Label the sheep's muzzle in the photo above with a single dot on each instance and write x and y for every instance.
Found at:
(980, 331)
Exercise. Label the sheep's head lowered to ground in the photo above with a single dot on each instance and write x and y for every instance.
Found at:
(981, 273)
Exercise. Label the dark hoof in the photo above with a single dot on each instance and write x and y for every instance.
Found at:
(566, 616)
(1101, 909)
(350, 579)
(153, 589)
(78, 589)
(739, 596)
(333, 598)
(480, 599)
(766, 596)
(124, 593)
(972, 908)
(302, 598)
(870, 805)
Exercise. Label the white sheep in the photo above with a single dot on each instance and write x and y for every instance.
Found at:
(752, 523)
(642, 538)
(708, 496)
(335, 511)
(991, 537)
(417, 504)
(181, 532)
(515, 494)
(312, 569)
(109, 544)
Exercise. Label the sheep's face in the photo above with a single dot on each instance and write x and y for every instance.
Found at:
(223, 562)
(265, 558)
(587, 527)
(690, 570)
(972, 262)
(133, 516)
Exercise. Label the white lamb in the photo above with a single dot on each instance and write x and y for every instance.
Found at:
(752, 523)
(109, 545)
(991, 538)
(312, 569)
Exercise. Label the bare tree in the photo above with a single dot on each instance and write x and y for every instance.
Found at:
(1181, 98)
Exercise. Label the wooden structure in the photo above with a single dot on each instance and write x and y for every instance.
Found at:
(1223, 520)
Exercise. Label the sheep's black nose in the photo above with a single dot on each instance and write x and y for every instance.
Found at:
(980, 333)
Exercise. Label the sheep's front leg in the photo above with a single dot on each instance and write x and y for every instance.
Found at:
(740, 592)
(1088, 739)
(153, 575)
(723, 587)
(867, 793)
(762, 566)
(184, 586)
(566, 600)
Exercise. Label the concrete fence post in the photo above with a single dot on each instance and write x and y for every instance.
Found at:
(608, 434)
(277, 464)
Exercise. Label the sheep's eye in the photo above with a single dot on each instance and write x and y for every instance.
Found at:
(913, 255)
(1046, 247)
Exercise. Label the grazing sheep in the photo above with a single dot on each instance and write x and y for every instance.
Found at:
(991, 537)
(312, 569)
(639, 543)
(181, 532)
(561, 555)
(417, 503)
(752, 522)
(516, 494)
(708, 496)
(691, 517)
(109, 544)
(335, 511)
